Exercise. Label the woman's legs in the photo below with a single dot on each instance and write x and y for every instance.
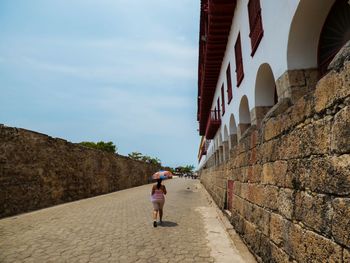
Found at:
(155, 213)
(161, 204)
(160, 215)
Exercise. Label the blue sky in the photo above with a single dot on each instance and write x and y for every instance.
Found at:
(112, 70)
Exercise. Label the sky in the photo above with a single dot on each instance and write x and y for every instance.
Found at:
(103, 70)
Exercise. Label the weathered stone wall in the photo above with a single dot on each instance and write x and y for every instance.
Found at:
(291, 177)
(38, 171)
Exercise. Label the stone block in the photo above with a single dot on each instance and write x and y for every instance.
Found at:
(346, 255)
(237, 222)
(274, 173)
(264, 251)
(278, 229)
(308, 140)
(258, 216)
(296, 78)
(302, 109)
(278, 109)
(242, 159)
(330, 175)
(257, 114)
(270, 195)
(253, 156)
(316, 248)
(254, 173)
(341, 221)
(238, 205)
(293, 241)
(268, 175)
(286, 202)
(313, 211)
(251, 236)
(237, 188)
(297, 176)
(341, 58)
(255, 194)
(341, 131)
(331, 88)
(278, 255)
(307, 246)
(241, 129)
(290, 145)
(282, 86)
(268, 151)
(233, 140)
(311, 77)
(254, 138)
(298, 92)
(244, 190)
(273, 127)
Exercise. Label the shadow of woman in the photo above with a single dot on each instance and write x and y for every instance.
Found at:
(168, 224)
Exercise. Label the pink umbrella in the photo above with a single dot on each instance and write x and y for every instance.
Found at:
(162, 175)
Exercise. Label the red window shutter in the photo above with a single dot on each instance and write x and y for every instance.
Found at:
(255, 23)
(222, 99)
(239, 60)
(218, 106)
(229, 84)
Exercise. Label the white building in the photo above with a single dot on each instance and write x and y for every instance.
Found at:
(254, 54)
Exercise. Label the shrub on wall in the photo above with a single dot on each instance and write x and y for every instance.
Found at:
(103, 146)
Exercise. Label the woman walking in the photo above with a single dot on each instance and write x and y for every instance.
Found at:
(158, 199)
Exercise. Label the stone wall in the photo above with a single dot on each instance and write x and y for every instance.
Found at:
(290, 195)
(38, 171)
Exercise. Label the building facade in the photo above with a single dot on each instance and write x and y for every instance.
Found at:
(255, 54)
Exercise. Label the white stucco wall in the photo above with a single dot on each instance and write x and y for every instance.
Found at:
(278, 16)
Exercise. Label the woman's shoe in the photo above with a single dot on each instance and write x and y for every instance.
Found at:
(154, 223)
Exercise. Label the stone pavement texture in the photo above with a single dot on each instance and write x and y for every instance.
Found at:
(117, 227)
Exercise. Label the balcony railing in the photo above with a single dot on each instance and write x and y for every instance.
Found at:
(213, 124)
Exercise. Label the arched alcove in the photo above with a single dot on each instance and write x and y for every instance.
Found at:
(244, 116)
(265, 87)
(233, 131)
(335, 33)
(265, 94)
(225, 134)
(304, 33)
(220, 149)
(226, 144)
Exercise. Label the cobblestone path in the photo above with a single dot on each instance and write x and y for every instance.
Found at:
(117, 227)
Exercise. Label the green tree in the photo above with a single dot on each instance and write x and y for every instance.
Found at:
(135, 155)
(103, 146)
(185, 169)
(144, 158)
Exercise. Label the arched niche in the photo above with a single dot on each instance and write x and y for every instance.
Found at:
(244, 117)
(265, 94)
(226, 144)
(233, 131)
(335, 33)
(305, 32)
(265, 87)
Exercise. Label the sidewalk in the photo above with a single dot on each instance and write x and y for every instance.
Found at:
(118, 228)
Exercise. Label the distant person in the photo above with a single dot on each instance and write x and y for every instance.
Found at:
(158, 199)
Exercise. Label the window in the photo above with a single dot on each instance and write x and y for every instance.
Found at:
(239, 61)
(218, 106)
(256, 28)
(222, 100)
(229, 84)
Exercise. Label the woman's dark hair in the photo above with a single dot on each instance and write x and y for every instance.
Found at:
(159, 183)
